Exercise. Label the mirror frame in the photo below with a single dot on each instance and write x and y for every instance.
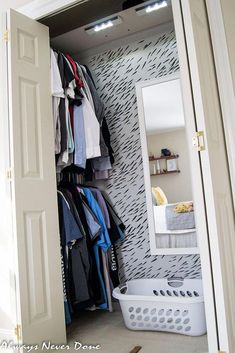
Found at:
(146, 167)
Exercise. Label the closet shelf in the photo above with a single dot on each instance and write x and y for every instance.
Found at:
(163, 173)
(164, 157)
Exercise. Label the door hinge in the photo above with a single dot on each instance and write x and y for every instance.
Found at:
(18, 332)
(9, 174)
(6, 36)
(198, 141)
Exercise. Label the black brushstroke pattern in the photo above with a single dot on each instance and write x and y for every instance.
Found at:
(116, 72)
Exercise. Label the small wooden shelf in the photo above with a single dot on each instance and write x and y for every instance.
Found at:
(164, 157)
(164, 173)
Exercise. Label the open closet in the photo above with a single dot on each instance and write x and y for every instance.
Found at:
(111, 199)
(135, 48)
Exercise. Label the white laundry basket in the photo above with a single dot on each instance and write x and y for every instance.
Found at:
(174, 305)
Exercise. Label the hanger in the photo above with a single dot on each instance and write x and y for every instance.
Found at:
(72, 174)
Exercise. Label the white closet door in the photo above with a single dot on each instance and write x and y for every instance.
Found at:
(35, 219)
(215, 172)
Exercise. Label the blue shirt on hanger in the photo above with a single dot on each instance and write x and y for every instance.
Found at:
(104, 240)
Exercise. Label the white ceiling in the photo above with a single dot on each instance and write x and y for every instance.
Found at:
(78, 40)
(163, 107)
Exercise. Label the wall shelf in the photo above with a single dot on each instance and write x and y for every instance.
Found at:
(164, 157)
(164, 173)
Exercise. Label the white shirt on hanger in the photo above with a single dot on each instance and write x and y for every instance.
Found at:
(56, 84)
(57, 92)
(92, 129)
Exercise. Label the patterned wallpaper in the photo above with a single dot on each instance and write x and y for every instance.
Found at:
(116, 71)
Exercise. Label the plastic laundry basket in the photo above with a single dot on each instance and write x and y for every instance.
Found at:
(174, 305)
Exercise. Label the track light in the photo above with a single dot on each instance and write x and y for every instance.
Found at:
(154, 6)
(103, 25)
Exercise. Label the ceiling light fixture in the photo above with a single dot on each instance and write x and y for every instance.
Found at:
(102, 25)
(154, 6)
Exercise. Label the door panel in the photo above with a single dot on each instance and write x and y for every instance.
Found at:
(39, 283)
(197, 184)
(7, 280)
(215, 171)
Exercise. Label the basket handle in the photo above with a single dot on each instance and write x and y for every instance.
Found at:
(123, 288)
(175, 282)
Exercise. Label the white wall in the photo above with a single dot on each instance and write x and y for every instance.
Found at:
(177, 187)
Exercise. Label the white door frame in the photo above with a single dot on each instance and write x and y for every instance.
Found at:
(225, 81)
(197, 36)
(197, 185)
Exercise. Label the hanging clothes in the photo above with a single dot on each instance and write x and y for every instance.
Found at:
(101, 166)
(81, 132)
(92, 130)
(100, 199)
(89, 226)
(80, 155)
(57, 93)
(65, 157)
(86, 244)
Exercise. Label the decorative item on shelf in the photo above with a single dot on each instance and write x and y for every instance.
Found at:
(165, 152)
(158, 167)
(154, 169)
(151, 156)
(171, 165)
(168, 168)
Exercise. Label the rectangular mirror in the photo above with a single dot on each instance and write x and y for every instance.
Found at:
(166, 166)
